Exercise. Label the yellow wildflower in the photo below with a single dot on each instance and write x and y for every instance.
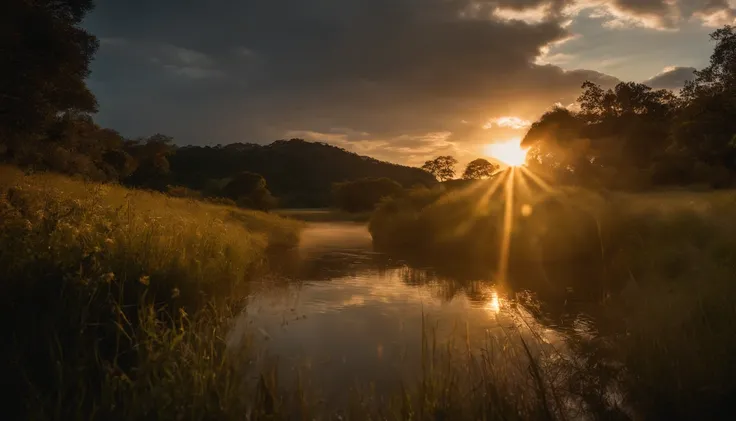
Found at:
(175, 293)
(145, 280)
(108, 277)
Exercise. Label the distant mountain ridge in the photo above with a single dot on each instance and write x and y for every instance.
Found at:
(299, 173)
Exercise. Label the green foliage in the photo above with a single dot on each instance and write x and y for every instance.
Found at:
(442, 167)
(152, 157)
(249, 190)
(299, 173)
(108, 298)
(465, 226)
(662, 260)
(479, 169)
(73, 144)
(633, 137)
(47, 56)
(364, 194)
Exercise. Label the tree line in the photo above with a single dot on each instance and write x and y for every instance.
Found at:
(628, 137)
(634, 137)
(443, 168)
(46, 123)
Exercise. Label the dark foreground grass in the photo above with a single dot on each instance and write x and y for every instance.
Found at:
(666, 272)
(115, 303)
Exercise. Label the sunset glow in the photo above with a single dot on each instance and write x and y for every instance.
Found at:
(510, 152)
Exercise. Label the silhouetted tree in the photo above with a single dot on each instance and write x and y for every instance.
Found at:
(705, 129)
(442, 167)
(479, 168)
(364, 194)
(152, 155)
(299, 173)
(615, 139)
(46, 57)
(249, 190)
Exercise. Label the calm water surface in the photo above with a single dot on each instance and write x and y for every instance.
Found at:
(354, 316)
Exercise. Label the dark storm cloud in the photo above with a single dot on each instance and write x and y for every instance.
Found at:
(221, 71)
(671, 78)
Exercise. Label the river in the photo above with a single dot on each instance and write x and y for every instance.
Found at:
(350, 315)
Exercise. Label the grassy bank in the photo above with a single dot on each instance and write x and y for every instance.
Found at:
(665, 276)
(115, 303)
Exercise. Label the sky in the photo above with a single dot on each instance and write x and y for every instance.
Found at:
(399, 80)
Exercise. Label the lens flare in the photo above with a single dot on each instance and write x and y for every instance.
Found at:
(510, 152)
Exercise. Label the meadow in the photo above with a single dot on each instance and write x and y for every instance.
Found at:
(116, 303)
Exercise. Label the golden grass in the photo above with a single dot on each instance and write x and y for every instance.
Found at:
(664, 277)
(115, 302)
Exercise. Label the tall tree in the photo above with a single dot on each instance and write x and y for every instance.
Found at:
(442, 167)
(249, 190)
(46, 58)
(152, 156)
(706, 127)
(479, 168)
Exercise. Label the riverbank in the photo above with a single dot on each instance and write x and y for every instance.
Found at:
(121, 304)
(665, 275)
(116, 302)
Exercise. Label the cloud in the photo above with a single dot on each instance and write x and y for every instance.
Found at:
(402, 71)
(515, 123)
(671, 78)
(653, 14)
(186, 62)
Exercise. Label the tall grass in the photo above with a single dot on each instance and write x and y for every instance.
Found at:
(115, 303)
(666, 310)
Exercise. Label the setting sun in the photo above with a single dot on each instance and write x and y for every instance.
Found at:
(510, 152)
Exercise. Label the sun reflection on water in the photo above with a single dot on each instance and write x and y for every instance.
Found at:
(494, 304)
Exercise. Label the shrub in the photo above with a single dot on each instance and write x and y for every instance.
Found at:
(249, 190)
(364, 194)
(663, 274)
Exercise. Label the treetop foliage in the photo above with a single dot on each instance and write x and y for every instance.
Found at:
(442, 167)
(632, 136)
(480, 168)
(46, 60)
(364, 194)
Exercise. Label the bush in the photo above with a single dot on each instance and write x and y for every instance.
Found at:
(364, 194)
(249, 191)
(664, 264)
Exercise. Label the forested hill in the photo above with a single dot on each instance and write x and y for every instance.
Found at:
(298, 173)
